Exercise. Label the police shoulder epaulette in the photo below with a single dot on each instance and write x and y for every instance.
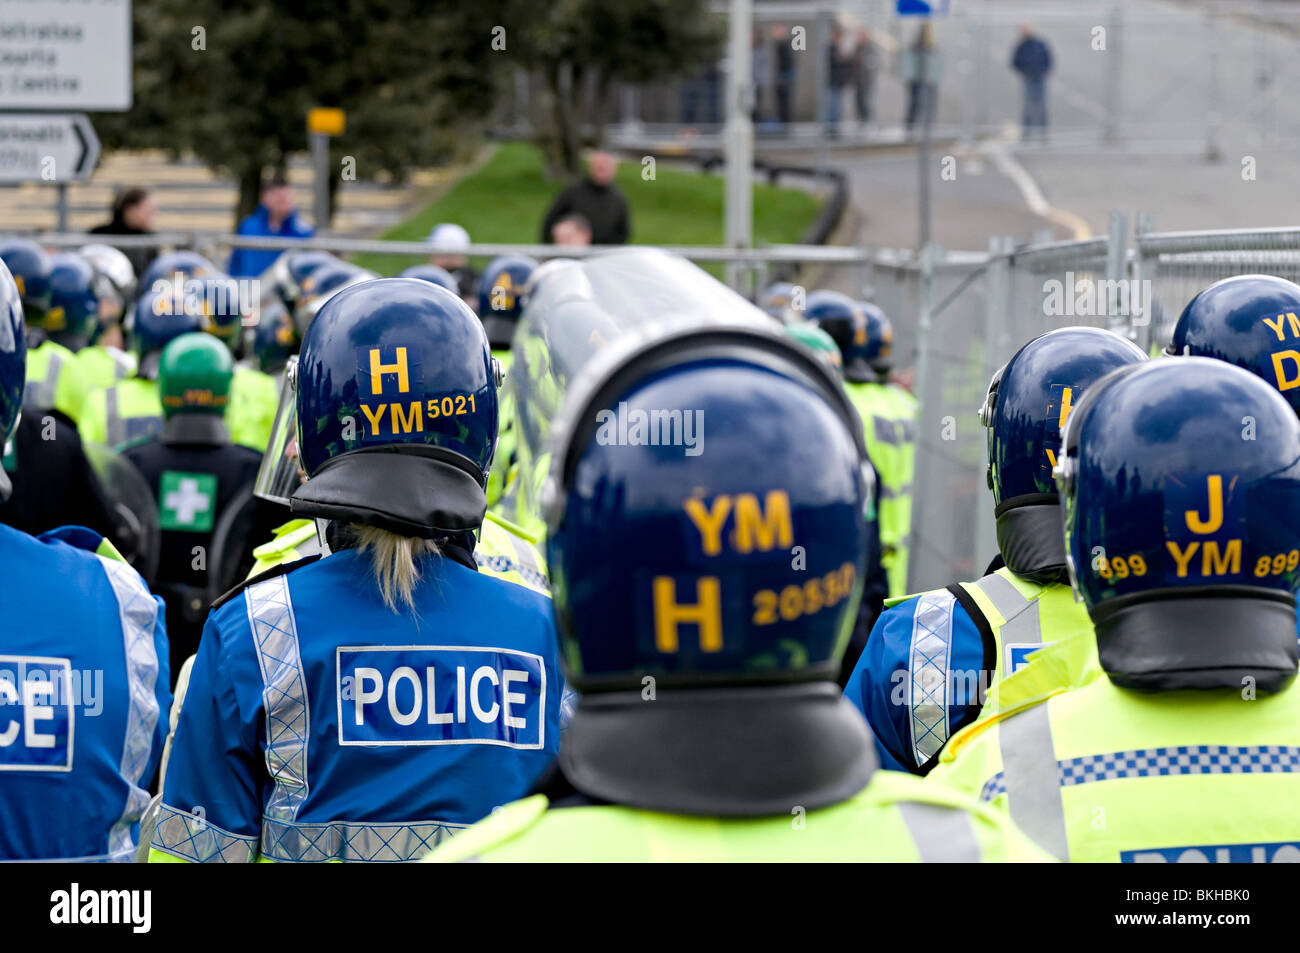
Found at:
(271, 573)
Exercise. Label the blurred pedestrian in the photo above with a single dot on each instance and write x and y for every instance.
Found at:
(1032, 59)
(134, 213)
(573, 229)
(783, 80)
(839, 73)
(922, 67)
(700, 102)
(276, 215)
(598, 200)
(865, 64)
(450, 236)
(757, 73)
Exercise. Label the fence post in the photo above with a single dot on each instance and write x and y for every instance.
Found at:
(999, 283)
(1116, 252)
(1144, 271)
(924, 302)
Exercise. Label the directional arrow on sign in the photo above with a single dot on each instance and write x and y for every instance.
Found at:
(47, 147)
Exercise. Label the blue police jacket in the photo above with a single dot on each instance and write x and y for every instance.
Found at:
(83, 698)
(319, 725)
(252, 262)
(879, 683)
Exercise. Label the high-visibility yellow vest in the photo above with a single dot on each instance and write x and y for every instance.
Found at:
(499, 477)
(889, 422)
(250, 414)
(506, 551)
(1024, 617)
(1100, 773)
(128, 411)
(103, 367)
(503, 551)
(896, 817)
(55, 380)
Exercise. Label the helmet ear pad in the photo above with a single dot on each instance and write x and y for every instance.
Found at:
(1031, 537)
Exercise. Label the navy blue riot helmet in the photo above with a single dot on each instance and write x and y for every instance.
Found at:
(500, 297)
(706, 535)
(221, 301)
(778, 301)
(878, 352)
(1252, 321)
(160, 318)
(435, 273)
(844, 320)
(317, 287)
(397, 410)
(13, 365)
(1028, 401)
(175, 268)
(29, 268)
(293, 268)
(1180, 483)
(73, 315)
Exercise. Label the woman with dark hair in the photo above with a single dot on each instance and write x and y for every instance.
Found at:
(134, 212)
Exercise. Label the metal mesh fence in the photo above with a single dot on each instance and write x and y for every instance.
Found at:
(1179, 264)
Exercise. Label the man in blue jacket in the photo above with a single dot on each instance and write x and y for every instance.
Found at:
(276, 215)
(1032, 59)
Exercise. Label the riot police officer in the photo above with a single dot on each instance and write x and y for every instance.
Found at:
(105, 362)
(54, 381)
(935, 661)
(500, 302)
(86, 665)
(705, 656)
(203, 483)
(131, 409)
(437, 685)
(1183, 539)
(865, 339)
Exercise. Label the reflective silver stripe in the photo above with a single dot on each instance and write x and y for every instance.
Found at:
(196, 839)
(887, 493)
(1021, 613)
(928, 663)
(943, 835)
(137, 612)
(41, 393)
(284, 694)
(123, 366)
(345, 841)
(884, 428)
(114, 426)
(1032, 779)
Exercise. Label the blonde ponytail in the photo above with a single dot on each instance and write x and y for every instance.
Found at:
(392, 559)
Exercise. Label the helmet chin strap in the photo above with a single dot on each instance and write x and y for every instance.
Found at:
(322, 531)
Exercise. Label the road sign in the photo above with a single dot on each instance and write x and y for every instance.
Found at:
(65, 55)
(922, 8)
(47, 147)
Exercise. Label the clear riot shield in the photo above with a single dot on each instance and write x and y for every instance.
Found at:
(576, 309)
(137, 532)
(280, 473)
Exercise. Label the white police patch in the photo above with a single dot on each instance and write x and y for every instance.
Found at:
(36, 713)
(440, 695)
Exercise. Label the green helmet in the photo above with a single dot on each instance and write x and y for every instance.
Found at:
(816, 340)
(194, 375)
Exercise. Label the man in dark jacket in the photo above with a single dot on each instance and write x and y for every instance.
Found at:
(597, 199)
(1032, 59)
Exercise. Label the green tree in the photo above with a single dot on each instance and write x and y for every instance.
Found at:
(563, 42)
(232, 80)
